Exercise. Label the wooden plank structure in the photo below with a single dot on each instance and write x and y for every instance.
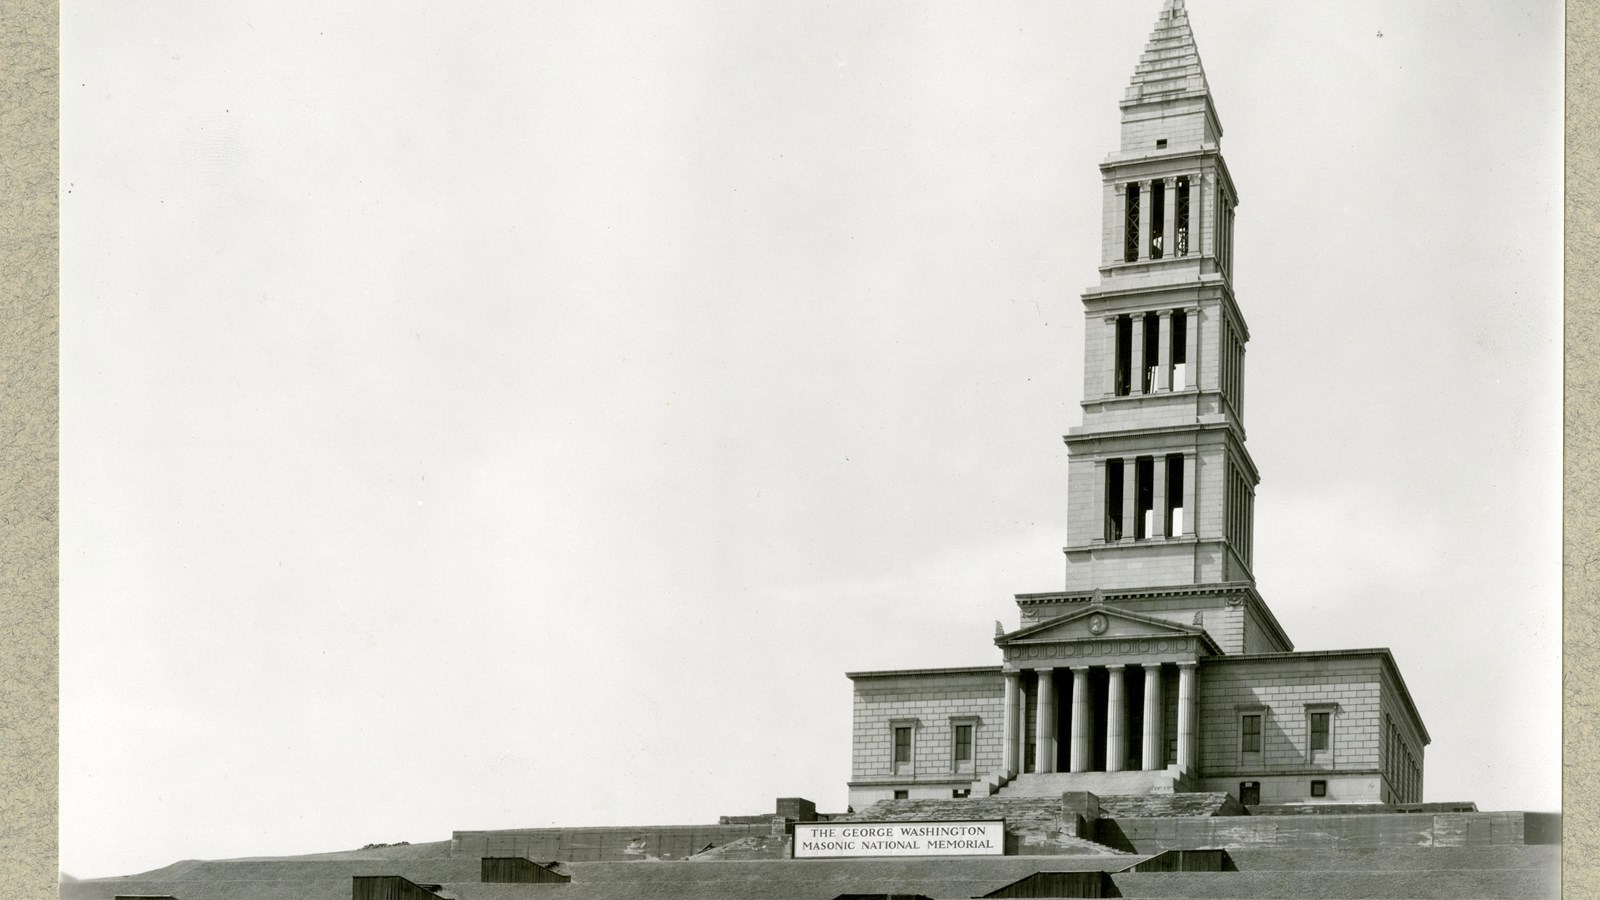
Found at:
(518, 870)
(388, 887)
(1060, 884)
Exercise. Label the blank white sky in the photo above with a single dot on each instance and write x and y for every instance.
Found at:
(505, 415)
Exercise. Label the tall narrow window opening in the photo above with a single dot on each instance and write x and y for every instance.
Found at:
(902, 744)
(1180, 350)
(1130, 242)
(1124, 355)
(1250, 734)
(1152, 350)
(1181, 242)
(963, 743)
(1158, 217)
(1319, 731)
(1144, 491)
(1174, 504)
(1114, 476)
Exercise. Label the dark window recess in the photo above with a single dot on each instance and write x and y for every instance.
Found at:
(1250, 734)
(1152, 353)
(1178, 377)
(902, 795)
(1173, 516)
(1319, 731)
(1130, 241)
(1114, 476)
(902, 744)
(1319, 788)
(1158, 213)
(960, 793)
(1181, 247)
(1161, 142)
(963, 743)
(1144, 491)
(1250, 793)
(1124, 360)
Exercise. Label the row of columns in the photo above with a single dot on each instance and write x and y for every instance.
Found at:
(1158, 495)
(1163, 366)
(1045, 740)
(1169, 217)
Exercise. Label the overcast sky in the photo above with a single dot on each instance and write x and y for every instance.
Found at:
(507, 415)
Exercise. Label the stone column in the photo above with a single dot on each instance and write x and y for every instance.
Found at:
(1169, 215)
(1158, 496)
(1130, 497)
(1013, 747)
(1144, 219)
(1154, 752)
(1164, 351)
(1190, 492)
(1191, 345)
(1082, 718)
(1110, 367)
(1197, 183)
(1044, 739)
(1119, 223)
(1186, 715)
(1116, 720)
(1097, 503)
(1136, 362)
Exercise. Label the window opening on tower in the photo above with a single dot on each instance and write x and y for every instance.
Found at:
(1144, 496)
(1181, 241)
(1124, 360)
(1179, 376)
(1174, 500)
(1152, 349)
(1158, 214)
(1113, 500)
(1130, 243)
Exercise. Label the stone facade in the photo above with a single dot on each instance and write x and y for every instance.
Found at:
(932, 704)
(1158, 659)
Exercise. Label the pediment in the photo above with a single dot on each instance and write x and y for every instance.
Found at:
(1098, 622)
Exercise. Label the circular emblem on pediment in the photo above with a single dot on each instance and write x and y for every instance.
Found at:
(1033, 652)
(1125, 647)
(1052, 651)
(1144, 646)
(1161, 645)
(1097, 624)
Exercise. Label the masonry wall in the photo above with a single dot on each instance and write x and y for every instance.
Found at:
(930, 700)
(1283, 689)
(604, 844)
(1345, 832)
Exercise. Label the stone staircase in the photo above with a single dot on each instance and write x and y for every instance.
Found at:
(1170, 780)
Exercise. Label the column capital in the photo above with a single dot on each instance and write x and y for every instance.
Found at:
(1119, 186)
(1188, 663)
(1164, 313)
(1077, 669)
(1116, 667)
(1170, 180)
(1043, 669)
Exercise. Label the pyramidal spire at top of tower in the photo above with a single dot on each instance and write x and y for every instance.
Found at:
(1170, 64)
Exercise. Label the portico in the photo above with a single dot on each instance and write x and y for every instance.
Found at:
(1101, 690)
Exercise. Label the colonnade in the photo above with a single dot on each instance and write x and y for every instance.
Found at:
(1176, 236)
(1163, 375)
(1082, 736)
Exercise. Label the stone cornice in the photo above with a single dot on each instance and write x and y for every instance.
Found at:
(891, 673)
(1145, 593)
(1382, 654)
(1244, 591)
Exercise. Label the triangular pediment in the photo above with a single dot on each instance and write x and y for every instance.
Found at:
(1097, 622)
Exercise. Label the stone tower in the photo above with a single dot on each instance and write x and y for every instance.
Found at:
(1160, 486)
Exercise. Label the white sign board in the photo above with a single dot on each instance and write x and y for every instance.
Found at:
(823, 840)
